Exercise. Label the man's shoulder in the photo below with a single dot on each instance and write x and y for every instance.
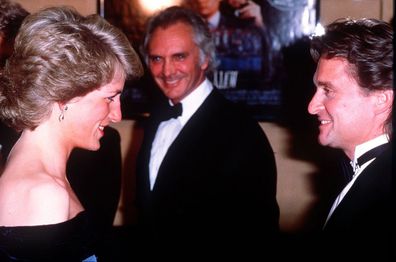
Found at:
(227, 111)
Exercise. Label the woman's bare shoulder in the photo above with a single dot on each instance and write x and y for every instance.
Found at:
(33, 199)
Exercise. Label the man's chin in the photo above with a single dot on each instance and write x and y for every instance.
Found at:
(323, 141)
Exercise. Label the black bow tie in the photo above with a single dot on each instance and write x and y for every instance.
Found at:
(348, 169)
(169, 112)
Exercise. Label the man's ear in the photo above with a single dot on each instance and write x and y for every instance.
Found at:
(384, 100)
(205, 63)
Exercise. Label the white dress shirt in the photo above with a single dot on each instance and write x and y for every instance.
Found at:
(359, 150)
(168, 130)
(214, 20)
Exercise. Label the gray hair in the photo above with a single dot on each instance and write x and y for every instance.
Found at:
(202, 36)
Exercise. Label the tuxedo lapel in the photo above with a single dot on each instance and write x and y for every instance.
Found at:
(180, 152)
(370, 191)
(143, 182)
(150, 130)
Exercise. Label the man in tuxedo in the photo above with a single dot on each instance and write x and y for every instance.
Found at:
(206, 177)
(242, 43)
(353, 102)
(218, 13)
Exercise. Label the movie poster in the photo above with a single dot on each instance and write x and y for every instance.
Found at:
(250, 50)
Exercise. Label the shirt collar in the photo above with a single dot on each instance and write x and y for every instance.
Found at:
(214, 20)
(368, 145)
(191, 102)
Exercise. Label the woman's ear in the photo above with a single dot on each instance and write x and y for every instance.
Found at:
(62, 109)
(61, 106)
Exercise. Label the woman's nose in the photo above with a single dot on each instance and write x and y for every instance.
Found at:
(115, 114)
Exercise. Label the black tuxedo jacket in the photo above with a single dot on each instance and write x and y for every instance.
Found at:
(216, 184)
(362, 226)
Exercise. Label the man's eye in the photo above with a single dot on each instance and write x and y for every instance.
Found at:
(155, 59)
(180, 57)
(328, 91)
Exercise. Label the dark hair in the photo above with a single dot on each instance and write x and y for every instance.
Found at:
(367, 46)
(11, 17)
(202, 36)
(60, 55)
